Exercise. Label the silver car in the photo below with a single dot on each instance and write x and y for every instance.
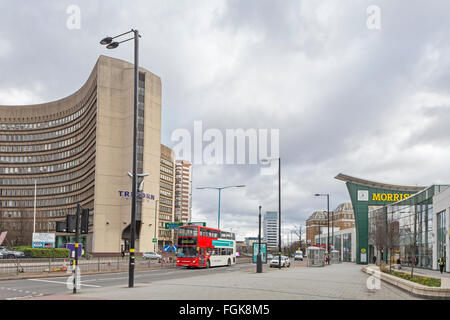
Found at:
(10, 254)
(151, 255)
(285, 262)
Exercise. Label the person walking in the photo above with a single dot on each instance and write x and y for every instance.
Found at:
(374, 259)
(441, 263)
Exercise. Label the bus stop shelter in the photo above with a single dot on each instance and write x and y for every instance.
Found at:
(315, 257)
(335, 257)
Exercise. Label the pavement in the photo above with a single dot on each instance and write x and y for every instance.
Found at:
(338, 282)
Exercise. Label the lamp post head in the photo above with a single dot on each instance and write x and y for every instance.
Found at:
(112, 45)
(106, 40)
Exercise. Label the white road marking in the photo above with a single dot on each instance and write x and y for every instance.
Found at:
(86, 285)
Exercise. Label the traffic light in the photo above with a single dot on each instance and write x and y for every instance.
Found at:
(71, 223)
(85, 221)
(61, 226)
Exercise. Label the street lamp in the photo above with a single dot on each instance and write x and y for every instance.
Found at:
(279, 206)
(108, 41)
(258, 257)
(328, 220)
(220, 190)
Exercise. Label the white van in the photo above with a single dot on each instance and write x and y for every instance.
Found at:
(298, 255)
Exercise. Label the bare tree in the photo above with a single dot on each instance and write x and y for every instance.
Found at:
(378, 233)
(392, 239)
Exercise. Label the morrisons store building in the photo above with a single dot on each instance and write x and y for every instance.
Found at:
(409, 223)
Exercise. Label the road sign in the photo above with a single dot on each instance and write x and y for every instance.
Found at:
(155, 240)
(176, 225)
(172, 225)
(43, 240)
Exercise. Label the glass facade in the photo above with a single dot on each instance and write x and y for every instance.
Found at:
(441, 235)
(404, 229)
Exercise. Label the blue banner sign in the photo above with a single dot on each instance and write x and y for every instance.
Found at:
(222, 243)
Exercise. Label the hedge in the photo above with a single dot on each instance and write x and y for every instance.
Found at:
(43, 252)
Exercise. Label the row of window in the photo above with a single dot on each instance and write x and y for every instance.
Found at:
(48, 202)
(44, 135)
(40, 136)
(49, 168)
(45, 180)
(166, 170)
(165, 209)
(167, 162)
(165, 185)
(165, 201)
(47, 191)
(39, 213)
(164, 233)
(220, 251)
(165, 193)
(165, 217)
(43, 125)
(44, 157)
(167, 178)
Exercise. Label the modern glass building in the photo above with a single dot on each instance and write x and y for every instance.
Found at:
(410, 223)
(412, 230)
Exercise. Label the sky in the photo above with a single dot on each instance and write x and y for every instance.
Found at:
(356, 87)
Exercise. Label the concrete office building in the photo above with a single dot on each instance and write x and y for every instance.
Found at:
(270, 229)
(166, 197)
(78, 150)
(183, 191)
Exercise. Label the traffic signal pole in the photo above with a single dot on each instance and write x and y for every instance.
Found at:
(75, 264)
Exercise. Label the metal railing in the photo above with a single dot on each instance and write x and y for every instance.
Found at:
(10, 267)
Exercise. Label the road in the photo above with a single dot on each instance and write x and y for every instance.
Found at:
(238, 282)
(28, 288)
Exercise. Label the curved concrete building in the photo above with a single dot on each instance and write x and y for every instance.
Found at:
(79, 150)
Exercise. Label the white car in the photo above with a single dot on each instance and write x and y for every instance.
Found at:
(285, 262)
(298, 256)
(151, 255)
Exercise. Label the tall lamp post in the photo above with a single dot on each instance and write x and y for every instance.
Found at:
(279, 206)
(110, 44)
(328, 219)
(220, 190)
(258, 257)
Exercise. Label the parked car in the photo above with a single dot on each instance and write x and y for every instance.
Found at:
(285, 262)
(1, 255)
(10, 254)
(269, 256)
(151, 255)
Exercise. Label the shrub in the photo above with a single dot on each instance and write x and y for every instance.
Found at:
(426, 281)
(43, 252)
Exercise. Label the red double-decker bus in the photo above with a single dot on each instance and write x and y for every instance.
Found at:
(204, 247)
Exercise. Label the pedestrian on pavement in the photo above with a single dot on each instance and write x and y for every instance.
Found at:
(374, 259)
(441, 263)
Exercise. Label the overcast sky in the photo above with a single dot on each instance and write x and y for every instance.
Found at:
(351, 90)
